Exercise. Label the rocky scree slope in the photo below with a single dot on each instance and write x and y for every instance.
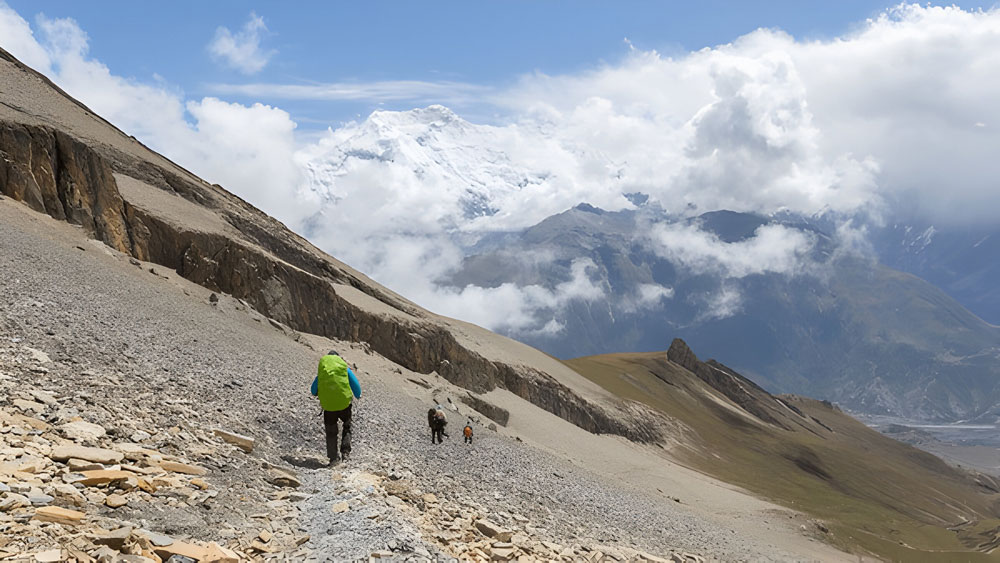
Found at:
(60, 159)
(143, 366)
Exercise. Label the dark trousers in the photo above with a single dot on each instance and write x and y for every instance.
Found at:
(437, 433)
(330, 419)
(468, 439)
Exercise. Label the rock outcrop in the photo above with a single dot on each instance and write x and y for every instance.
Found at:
(54, 173)
(497, 414)
(745, 393)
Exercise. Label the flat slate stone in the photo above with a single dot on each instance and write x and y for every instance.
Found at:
(96, 455)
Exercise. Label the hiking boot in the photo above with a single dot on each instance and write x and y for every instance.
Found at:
(344, 456)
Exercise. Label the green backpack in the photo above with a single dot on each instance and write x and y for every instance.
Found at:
(334, 386)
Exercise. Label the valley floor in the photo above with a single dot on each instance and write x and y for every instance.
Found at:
(131, 347)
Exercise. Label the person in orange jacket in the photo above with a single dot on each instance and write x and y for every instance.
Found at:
(467, 432)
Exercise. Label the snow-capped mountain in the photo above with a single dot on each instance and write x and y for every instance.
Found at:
(459, 175)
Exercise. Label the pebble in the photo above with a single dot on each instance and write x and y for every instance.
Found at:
(40, 500)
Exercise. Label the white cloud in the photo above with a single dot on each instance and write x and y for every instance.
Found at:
(773, 249)
(652, 294)
(648, 296)
(242, 50)
(529, 309)
(884, 113)
(246, 148)
(17, 38)
(721, 304)
(416, 91)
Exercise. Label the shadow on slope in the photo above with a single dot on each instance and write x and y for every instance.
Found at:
(874, 493)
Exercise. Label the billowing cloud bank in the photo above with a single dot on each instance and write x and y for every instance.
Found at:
(899, 112)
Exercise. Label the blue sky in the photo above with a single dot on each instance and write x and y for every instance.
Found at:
(478, 43)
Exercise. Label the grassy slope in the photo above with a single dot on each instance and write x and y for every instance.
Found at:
(873, 492)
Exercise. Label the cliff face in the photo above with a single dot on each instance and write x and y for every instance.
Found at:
(54, 173)
(257, 259)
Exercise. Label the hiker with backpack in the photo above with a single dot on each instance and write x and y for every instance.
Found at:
(337, 387)
(437, 420)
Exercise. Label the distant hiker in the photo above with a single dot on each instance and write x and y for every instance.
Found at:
(437, 420)
(334, 385)
(467, 432)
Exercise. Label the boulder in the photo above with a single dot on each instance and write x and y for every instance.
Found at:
(96, 455)
(49, 556)
(32, 465)
(40, 499)
(184, 549)
(103, 477)
(502, 553)
(178, 467)
(70, 493)
(215, 553)
(43, 397)
(105, 554)
(13, 501)
(28, 405)
(76, 465)
(59, 515)
(82, 431)
(244, 443)
(114, 539)
(340, 507)
(115, 501)
(491, 530)
(38, 355)
(282, 477)
(135, 451)
(156, 539)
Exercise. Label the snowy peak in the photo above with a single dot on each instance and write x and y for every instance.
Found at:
(430, 116)
(461, 172)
